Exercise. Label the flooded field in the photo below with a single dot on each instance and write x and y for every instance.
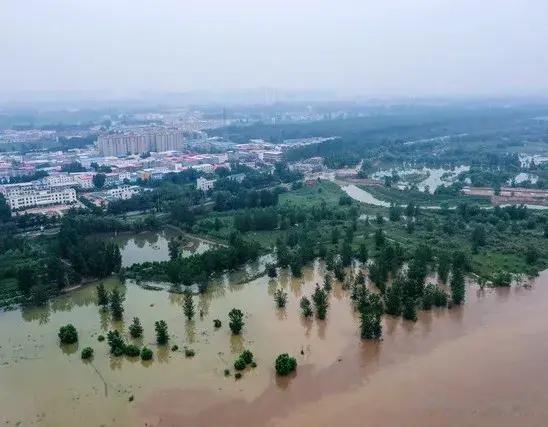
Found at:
(477, 365)
(153, 245)
(430, 178)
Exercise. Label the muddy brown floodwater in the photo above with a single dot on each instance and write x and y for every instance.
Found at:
(483, 364)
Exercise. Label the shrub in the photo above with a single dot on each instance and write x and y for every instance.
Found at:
(227, 372)
(247, 356)
(236, 321)
(285, 364)
(87, 353)
(132, 350)
(68, 334)
(101, 338)
(217, 323)
(135, 329)
(189, 352)
(174, 347)
(238, 375)
(239, 364)
(253, 364)
(146, 353)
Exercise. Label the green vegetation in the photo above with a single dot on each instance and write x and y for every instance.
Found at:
(68, 334)
(320, 299)
(236, 321)
(280, 297)
(188, 305)
(306, 307)
(285, 364)
(132, 350)
(136, 329)
(87, 353)
(162, 335)
(146, 353)
(217, 323)
(116, 307)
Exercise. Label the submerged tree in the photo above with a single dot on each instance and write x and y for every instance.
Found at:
(236, 321)
(188, 305)
(409, 309)
(319, 297)
(285, 364)
(67, 334)
(116, 307)
(173, 247)
(444, 265)
(306, 307)
(116, 343)
(102, 295)
(136, 329)
(327, 282)
(457, 287)
(280, 297)
(162, 335)
(271, 270)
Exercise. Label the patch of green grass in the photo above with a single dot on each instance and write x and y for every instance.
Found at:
(326, 191)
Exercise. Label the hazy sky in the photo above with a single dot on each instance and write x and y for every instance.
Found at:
(368, 47)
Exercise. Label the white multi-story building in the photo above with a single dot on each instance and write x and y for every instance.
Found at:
(124, 192)
(25, 197)
(205, 184)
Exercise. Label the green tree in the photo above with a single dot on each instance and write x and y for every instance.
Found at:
(99, 180)
(346, 254)
(188, 305)
(320, 299)
(393, 298)
(280, 297)
(116, 307)
(444, 265)
(362, 252)
(173, 248)
(379, 238)
(27, 277)
(327, 282)
(271, 270)
(68, 334)
(409, 309)
(136, 329)
(162, 335)
(236, 321)
(458, 289)
(146, 353)
(306, 307)
(116, 343)
(102, 295)
(87, 353)
(285, 364)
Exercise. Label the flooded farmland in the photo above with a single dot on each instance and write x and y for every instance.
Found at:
(477, 365)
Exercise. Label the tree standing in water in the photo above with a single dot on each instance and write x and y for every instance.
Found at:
(136, 329)
(188, 305)
(280, 297)
(162, 335)
(306, 307)
(319, 297)
(236, 321)
(102, 295)
(457, 286)
(173, 248)
(116, 307)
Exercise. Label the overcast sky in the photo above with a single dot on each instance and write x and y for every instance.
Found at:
(366, 47)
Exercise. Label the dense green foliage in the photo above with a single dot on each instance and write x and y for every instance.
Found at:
(68, 334)
(285, 364)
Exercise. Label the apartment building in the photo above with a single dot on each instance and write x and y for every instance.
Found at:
(139, 142)
(25, 197)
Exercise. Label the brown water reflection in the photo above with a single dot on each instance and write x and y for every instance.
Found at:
(481, 364)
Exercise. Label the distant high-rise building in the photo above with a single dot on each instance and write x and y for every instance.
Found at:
(122, 144)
